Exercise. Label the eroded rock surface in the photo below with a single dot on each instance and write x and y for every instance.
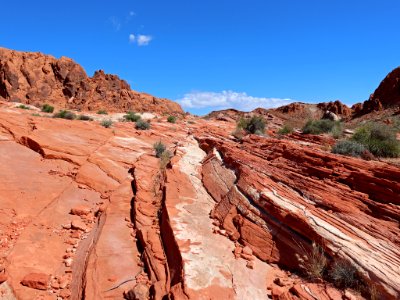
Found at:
(97, 216)
(35, 78)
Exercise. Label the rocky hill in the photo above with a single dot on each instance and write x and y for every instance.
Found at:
(35, 78)
(89, 209)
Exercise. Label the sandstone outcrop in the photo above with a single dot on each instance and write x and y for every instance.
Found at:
(95, 212)
(35, 78)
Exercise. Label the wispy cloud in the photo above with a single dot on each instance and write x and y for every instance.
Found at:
(140, 40)
(144, 40)
(132, 13)
(229, 99)
(115, 23)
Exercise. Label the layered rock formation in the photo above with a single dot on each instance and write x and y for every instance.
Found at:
(35, 78)
(90, 213)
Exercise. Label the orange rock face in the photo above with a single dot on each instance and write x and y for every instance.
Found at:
(88, 212)
(284, 195)
(35, 78)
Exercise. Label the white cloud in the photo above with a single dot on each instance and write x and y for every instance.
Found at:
(229, 99)
(132, 38)
(132, 13)
(144, 40)
(115, 22)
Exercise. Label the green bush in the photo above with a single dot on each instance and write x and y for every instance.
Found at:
(106, 123)
(65, 114)
(159, 147)
(102, 112)
(22, 106)
(349, 148)
(171, 119)
(379, 139)
(85, 118)
(255, 124)
(47, 108)
(142, 125)
(286, 129)
(131, 117)
(318, 126)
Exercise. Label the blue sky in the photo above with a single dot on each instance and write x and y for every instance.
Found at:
(212, 54)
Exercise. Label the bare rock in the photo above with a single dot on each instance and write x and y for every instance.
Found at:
(38, 281)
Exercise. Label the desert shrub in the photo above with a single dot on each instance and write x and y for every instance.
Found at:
(255, 124)
(131, 117)
(379, 139)
(65, 114)
(344, 275)
(106, 123)
(286, 129)
(318, 126)
(171, 119)
(159, 148)
(165, 158)
(84, 118)
(22, 106)
(313, 262)
(349, 148)
(191, 122)
(239, 133)
(47, 108)
(337, 130)
(142, 125)
(102, 112)
(35, 115)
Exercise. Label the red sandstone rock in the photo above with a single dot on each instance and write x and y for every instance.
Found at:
(38, 281)
(35, 78)
(81, 210)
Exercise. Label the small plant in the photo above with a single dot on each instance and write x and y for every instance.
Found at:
(47, 108)
(85, 118)
(102, 112)
(313, 262)
(142, 125)
(286, 129)
(255, 124)
(165, 158)
(191, 122)
(106, 123)
(22, 106)
(318, 126)
(171, 119)
(35, 115)
(379, 139)
(131, 117)
(337, 130)
(349, 148)
(238, 134)
(65, 114)
(159, 147)
(344, 275)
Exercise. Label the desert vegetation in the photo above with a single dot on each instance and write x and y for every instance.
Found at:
(131, 117)
(22, 106)
(47, 108)
(142, 125)
(162, 153)
(106, 123)
(254, 125)
(349, 148)
(171, 119)
(84, 118)
(286, 129)
(102, 112)
(65, 114)
(323, 126)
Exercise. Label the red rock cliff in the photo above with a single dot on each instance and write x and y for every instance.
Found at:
(35, 78)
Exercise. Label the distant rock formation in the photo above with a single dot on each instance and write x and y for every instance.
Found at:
(35, 78)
